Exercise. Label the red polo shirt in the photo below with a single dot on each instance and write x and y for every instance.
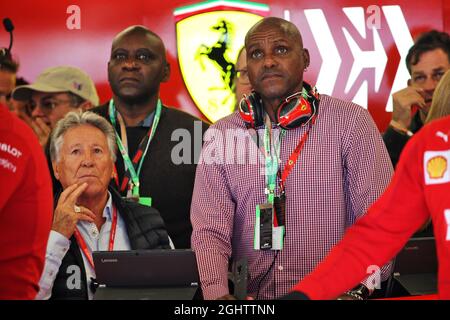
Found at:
(25, 208)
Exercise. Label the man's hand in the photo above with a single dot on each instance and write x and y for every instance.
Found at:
(40, 128)
(403, 100)
(65, 218)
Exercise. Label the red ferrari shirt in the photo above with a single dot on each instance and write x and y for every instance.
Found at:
(420, 189)
(25, 208)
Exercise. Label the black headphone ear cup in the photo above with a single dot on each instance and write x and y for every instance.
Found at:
(257, 109)
(244, 105)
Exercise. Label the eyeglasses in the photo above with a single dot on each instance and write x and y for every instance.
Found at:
(242, 76)
(47, 105)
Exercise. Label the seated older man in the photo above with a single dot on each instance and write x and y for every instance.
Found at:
(89, 217)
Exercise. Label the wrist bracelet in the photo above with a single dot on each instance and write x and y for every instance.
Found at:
(398, 127)
(362, 291)
(355, 295)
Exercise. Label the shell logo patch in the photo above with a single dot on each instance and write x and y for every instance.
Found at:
(436, 168)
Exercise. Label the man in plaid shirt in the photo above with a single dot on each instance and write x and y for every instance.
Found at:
(329, 170)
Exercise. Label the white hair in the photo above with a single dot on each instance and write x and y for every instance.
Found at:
(74, 119)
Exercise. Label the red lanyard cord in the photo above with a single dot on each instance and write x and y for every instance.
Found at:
(112, 235)
(290, 163)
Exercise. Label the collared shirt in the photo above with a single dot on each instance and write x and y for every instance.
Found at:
(148, 121)
(96, 240)
(136, 134)
(343, 168)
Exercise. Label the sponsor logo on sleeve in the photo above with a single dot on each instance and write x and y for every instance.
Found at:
(6, 164)
(5, 147)
(442, 135)
(436, 167)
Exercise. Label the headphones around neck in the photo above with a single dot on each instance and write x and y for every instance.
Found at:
(294, 111)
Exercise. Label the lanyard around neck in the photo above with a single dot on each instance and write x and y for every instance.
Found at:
(112, 235)
(133, 167)
(272, 159)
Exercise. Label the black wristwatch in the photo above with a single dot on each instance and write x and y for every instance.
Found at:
(361, 292)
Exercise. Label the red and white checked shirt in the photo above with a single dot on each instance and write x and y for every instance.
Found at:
(343, 168)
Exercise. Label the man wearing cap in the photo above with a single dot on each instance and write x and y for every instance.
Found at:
(56, 91)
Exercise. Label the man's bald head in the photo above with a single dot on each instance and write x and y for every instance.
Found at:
(138, 30)
(137, 65)
(276, 60)
(286, 27)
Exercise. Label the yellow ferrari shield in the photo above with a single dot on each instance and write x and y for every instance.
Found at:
(208, 44)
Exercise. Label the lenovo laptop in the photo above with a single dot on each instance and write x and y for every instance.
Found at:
(415, 266)
(146, 275)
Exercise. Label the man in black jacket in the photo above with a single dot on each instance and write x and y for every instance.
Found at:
(427, 61)
(151, 166)
(88, 217)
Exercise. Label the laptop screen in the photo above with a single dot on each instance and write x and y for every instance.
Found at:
(146, 268)
(418, 256)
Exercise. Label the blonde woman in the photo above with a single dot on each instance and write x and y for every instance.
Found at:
(440, 107)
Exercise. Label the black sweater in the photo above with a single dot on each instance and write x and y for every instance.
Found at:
(396, 141)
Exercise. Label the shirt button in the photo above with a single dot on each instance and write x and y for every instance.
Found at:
(280, 268)
(94, 230)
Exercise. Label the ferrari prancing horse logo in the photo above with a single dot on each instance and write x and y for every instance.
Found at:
(208, 44)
